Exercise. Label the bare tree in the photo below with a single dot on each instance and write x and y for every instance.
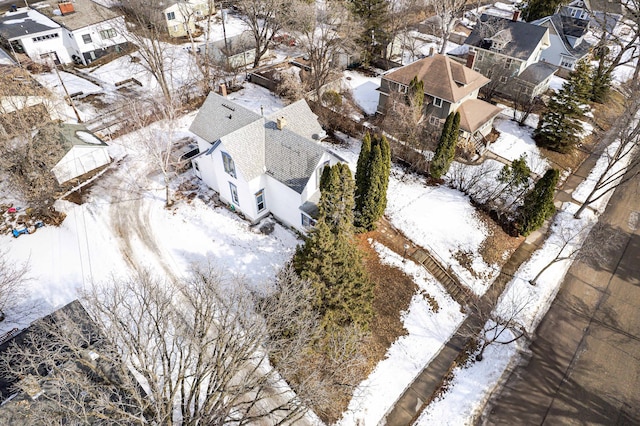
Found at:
(523, 106)
(147, 30)
(27, 157)
(585, 242)
(12, 289)
(194, 352)
(496, 320)
(265, 18)
(326, 30)
(448, 13)
(623, 162)
(159, 139)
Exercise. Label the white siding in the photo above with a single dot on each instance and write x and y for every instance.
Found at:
(80, 160)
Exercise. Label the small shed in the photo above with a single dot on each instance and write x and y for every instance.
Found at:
(84, 152)
(236, 52)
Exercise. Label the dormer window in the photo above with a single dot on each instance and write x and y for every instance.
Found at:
(437, 102)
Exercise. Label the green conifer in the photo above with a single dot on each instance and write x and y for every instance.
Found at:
(538, 203)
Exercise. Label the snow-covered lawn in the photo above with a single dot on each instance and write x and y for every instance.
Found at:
(364, 90)
(442, 220)
(407, 356)
(515, 141)
(471, 387)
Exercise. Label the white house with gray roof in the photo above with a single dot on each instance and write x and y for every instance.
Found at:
(262, 165)
(64, 31)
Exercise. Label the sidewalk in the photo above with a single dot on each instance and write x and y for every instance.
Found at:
(417, 395)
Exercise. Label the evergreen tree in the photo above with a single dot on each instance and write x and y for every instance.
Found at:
(538, 203)
(331, 261)
(362, 174)
(536, 9)
(446, 149)
(559, 127)
(601, 75)
(374, 16)
(416, 93)
(372, 180)
(579, 81)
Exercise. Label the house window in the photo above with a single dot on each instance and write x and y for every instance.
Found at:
(196, 166)
(234, 193)
(503, 79)
(507, 63)
(171, 16)
(319, 173)
(433, 120)
(46, 37)
(260, 200)
(107, 34)
(307, 221)
(86, 38)
(229, 165)
(437, 102)
(480, 55)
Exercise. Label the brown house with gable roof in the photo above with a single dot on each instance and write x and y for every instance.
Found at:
(448, 87)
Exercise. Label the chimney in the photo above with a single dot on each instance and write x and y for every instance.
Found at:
(471, 59)
(222, 90)
(516, 15)
(281, 122)
(65, 7)
(431, 51)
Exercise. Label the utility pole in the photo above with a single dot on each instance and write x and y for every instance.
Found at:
(66, 92)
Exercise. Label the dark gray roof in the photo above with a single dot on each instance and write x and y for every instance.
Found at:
(25, 23)
(537, 72)
(219, 117)
(521, 38)
(73, 311)
(572, 27)
(290, 157)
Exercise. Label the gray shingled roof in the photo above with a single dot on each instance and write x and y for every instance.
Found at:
(300, 119)
(257, 145)
(21, 24)
(568, 26)
(290, 157)
(219, 117)
(537, 72)
(522, 37)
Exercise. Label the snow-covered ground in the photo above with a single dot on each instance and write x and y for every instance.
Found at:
(364, 90)
(472, 386)
(516, 141)
(427, 332)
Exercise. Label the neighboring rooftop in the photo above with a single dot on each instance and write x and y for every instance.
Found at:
(518, 39)
(85, 13)
(442, 77)
(24, 22)
(567, 26)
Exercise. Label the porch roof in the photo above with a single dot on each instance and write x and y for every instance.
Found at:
(474, 113)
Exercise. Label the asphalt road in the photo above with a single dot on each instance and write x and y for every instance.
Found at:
(585, 364)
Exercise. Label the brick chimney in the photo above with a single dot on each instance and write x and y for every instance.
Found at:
(281, 122)
(222, 90)
(65, 7)
(516, 15)
(471, 59)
